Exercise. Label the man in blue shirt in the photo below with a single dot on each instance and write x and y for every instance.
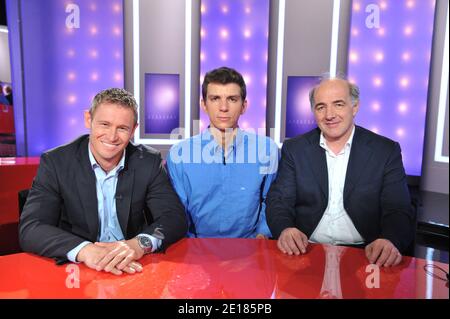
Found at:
(101, 200)
(222, 175)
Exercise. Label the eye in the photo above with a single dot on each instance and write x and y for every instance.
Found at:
(320, 108)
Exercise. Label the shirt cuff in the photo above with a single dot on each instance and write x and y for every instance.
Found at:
(156, 243)
(72, 255)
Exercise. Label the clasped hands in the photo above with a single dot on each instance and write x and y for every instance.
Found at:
(115, 257)
(380, 252)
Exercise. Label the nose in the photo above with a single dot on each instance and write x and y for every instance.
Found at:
(223, 105)
(330, 113)
(112, 134)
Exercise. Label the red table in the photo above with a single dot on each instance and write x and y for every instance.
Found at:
(226, 268)
(16, 173)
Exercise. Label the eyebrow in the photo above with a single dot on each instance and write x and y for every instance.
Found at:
(107, 122)
(319, 104)
(334, 102)
(229, 96)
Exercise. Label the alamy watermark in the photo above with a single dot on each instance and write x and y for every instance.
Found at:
(373, 279)
(257, 148)
(73, 278)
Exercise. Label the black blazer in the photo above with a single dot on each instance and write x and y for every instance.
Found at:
(61, 209)
(376, 195)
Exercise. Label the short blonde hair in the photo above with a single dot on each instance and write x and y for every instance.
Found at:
(115, 96)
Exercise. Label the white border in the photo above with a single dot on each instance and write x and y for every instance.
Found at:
(279, 70)
(438, 157)
(187, 74)
(334, 37)
(187, 69)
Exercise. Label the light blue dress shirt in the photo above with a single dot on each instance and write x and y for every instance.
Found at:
(224, 192)
(106, 184)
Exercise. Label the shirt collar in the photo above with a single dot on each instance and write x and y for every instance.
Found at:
(348, 144)
(206, 138)
(94, 163)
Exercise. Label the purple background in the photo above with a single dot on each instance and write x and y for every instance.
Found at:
(64, 68)
(391, 66)
(299, 117)
(235, 34)
(162, 103)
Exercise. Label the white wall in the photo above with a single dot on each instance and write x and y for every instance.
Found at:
(5, 65)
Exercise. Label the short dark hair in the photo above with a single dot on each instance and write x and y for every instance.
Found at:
(115, 96)
(224, 75)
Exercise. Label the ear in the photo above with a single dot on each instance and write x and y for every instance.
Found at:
(134, 129)
(355, 109)
(87, 119)
(244, 107)
(203, 104)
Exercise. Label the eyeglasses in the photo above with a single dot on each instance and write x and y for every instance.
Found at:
(436, 272)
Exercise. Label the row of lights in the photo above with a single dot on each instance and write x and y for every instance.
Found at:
(223, 56)
(224, 33)
(409, 4)
(378, 56)
(116, 7)
(224, 9)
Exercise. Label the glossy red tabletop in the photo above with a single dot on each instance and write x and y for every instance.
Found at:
(16, 173)
(225, 268)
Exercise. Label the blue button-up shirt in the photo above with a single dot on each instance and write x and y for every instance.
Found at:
(224, 192)
(110, 230)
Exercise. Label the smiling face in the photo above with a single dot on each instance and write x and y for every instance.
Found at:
(333, 110)
(112, 127)
(224, 105)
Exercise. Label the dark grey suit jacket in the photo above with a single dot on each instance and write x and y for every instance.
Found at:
(376, 195)
(61, 209)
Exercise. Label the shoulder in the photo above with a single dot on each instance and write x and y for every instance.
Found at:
(302, 140)
(63, 154)
(180, 147)
(142, 153)
(374, 140)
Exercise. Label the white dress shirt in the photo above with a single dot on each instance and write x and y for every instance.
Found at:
(336, 227)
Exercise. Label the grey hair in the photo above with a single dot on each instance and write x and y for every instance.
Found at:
(353, 88)
(115, 96)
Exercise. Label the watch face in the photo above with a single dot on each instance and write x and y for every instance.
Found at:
(145, 241)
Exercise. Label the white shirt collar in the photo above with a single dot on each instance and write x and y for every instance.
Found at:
(348, 144)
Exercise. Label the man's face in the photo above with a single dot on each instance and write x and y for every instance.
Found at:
(112, 127)
(333, 110)
(224, 105)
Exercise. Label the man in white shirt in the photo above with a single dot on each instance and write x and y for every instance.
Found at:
(341, 184)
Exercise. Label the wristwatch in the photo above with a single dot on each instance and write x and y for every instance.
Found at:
(145, 243)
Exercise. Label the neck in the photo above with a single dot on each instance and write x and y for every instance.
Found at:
(107, 166)
(223, 137)
(336, 145)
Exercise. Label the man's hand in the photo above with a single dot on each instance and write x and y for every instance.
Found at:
(292, 241)
(116, 257)
(92, 254)
(383, 253)
(120, 256)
